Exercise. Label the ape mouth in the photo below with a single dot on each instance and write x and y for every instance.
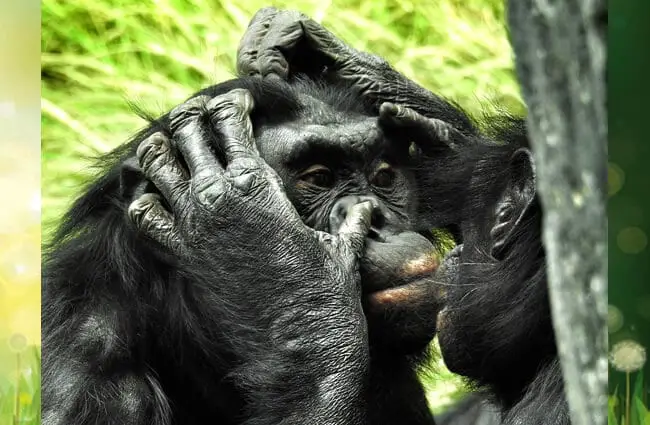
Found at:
(416, 287)
(398, 267)
(406, 269)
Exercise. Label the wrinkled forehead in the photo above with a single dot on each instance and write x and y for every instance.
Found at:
(319, 128)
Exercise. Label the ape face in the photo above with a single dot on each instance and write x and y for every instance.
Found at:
(330, 158)
(495, 326)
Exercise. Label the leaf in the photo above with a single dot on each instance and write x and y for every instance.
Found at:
(636, 415)
(642, 415)
(612, 405)
(638, 386)
(611, 416)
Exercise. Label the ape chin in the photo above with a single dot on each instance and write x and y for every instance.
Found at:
(396, 272)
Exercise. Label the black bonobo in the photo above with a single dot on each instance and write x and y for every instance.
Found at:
(211, 274)
(496, 326)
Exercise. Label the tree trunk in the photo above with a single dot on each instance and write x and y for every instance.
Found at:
(560, 60)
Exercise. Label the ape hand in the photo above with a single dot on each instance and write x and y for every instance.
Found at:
(295, 292)
(279, 43)
(275, 37)
(241, 202)
(430, 134)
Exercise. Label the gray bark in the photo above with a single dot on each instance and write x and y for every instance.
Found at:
(560, 59)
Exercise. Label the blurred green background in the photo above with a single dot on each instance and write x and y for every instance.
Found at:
(20, 230)
(99, 55)
(629, 205)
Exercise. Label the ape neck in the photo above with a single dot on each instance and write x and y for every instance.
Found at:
(542, 402)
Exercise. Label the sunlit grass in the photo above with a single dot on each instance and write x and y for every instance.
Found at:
(98, 55)
(20, 401)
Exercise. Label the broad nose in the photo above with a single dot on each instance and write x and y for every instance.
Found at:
(342, 208)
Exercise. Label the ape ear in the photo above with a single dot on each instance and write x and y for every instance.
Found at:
(515, 200)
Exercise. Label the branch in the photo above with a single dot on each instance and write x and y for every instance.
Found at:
(560, 58)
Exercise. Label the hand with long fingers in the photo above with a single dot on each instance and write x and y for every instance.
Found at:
(430, 134)
(240, 202)
(298, 286)
(279, 43)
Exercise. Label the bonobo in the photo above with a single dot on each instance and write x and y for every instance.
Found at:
(496, 325)
(217, 304)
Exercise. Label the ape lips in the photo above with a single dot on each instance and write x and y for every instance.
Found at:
(400, 294)
(395, 268)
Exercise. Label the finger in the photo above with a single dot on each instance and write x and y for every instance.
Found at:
(188, 123)
(324, 41)
(230, 115)
(153, 220)
(429, 129)
(284, 33)
(249, 46)
(162, 168)
(355, 228)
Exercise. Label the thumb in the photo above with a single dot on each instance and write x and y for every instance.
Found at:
(355, 228)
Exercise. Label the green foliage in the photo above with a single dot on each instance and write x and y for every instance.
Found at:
(20, 396)
(639, 413)
(99, 55)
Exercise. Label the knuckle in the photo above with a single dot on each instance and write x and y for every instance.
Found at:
(208, 190)
(265, 13)
(232, 107)
(241, 100)
(243, 165)
(245, 183)
(326, 239)
(140, 207)
(191, 108)
(151, 220)
(152, 147)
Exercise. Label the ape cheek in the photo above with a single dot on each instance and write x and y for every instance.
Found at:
(312, 208)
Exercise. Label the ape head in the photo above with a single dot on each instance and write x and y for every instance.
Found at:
(495, 327)
(332, 151)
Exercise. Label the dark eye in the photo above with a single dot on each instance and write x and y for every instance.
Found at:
(384, 176)
(318, 175)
